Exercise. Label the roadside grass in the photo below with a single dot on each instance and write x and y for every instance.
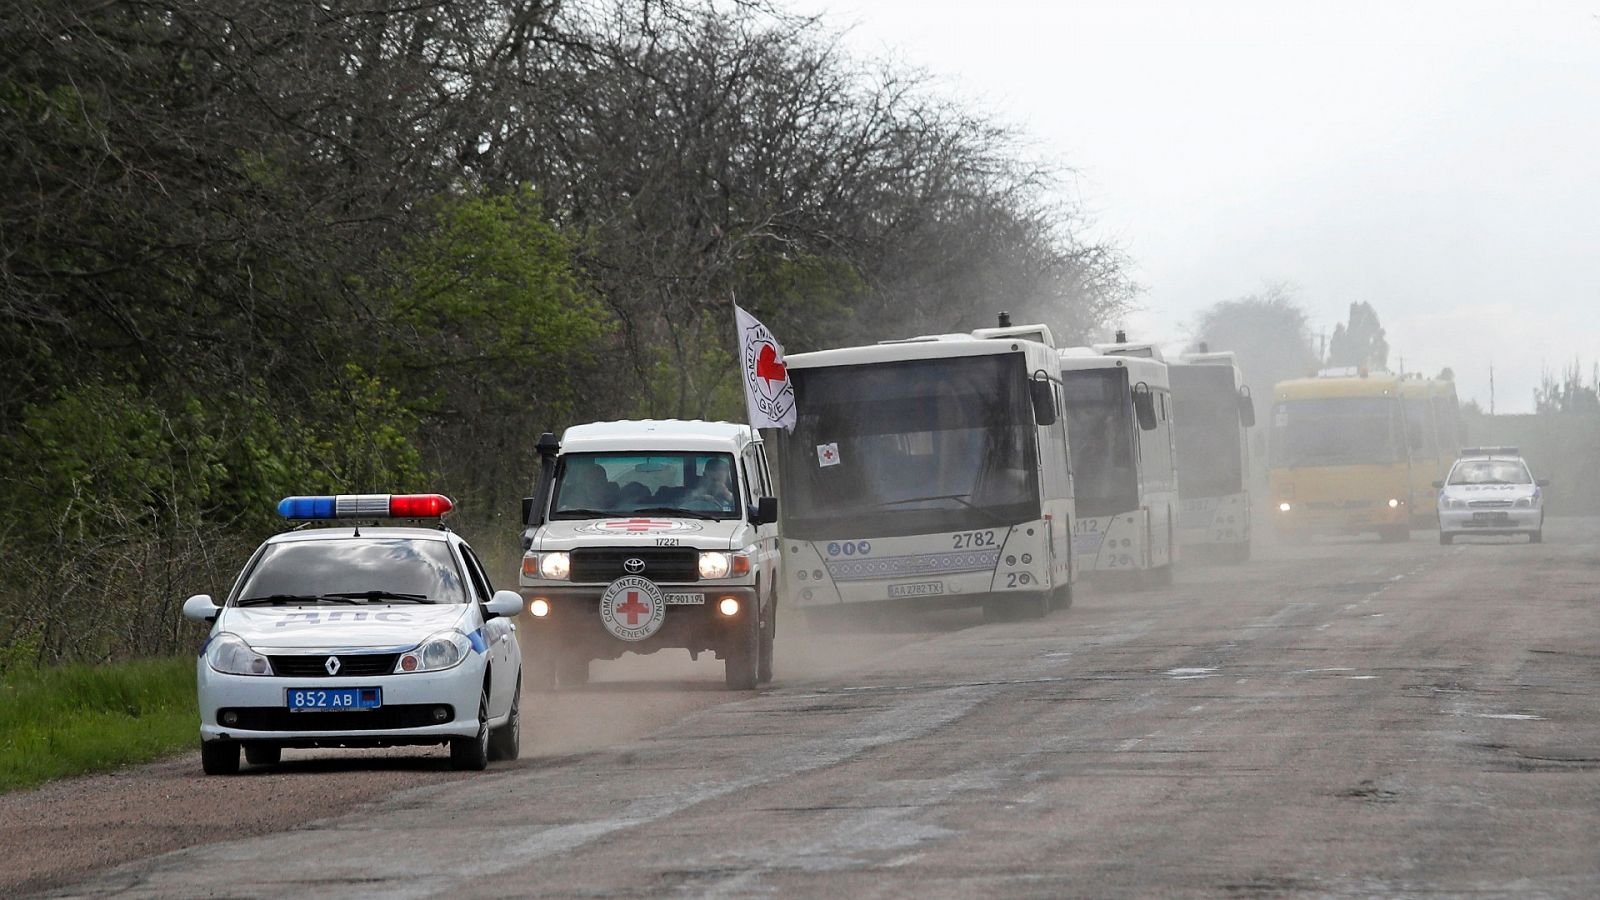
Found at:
(69, 720)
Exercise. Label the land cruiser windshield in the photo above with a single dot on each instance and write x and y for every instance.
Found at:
(600, 485)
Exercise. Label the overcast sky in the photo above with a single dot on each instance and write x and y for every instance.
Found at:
(1440, 160)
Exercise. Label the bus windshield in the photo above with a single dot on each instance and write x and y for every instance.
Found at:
(914, 447)
(1335, 431)
(1105, 469)
(1210, 451)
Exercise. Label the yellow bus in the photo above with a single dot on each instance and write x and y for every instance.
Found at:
(1337, 456)
(1433, 435)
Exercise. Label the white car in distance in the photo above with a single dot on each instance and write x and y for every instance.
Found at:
(359, 636)
(1490, 490)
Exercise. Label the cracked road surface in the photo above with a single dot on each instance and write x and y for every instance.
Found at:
(1342, 718)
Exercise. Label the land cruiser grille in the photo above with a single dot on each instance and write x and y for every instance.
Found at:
(674, 564)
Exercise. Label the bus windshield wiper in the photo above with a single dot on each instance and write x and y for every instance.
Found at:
(675, 511)
(275, 599)
(959, 498)
(583, 514)
(378, 596)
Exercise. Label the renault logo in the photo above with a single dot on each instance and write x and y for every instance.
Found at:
(633, 565)
(332, 665)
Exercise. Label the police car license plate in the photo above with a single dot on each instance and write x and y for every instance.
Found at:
(916, 589)
(686, 599)
(327, 699)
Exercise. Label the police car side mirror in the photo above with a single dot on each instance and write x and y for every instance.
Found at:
(1438, 484)
(200, 608)
(1542, 482)
(766, 511)
(503, 603)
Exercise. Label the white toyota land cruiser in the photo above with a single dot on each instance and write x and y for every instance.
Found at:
(651, 534)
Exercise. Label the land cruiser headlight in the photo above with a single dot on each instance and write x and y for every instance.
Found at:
(442, 651)
(717, 564)
(555, 566)
(229, 654)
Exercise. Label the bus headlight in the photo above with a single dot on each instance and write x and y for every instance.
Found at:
(1284, 507)
(1394, 503)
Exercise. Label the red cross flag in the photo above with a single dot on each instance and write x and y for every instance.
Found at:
(767, 391)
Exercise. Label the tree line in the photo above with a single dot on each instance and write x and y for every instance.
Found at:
(251, 248)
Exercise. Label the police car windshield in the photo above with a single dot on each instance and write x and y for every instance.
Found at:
(1490, 471)
(366, 570)
(599, 485)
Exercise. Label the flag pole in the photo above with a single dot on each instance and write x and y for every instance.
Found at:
(738, 350)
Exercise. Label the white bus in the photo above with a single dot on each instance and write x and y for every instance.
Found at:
(1119, 417)
(930, 472)
(1214, 411)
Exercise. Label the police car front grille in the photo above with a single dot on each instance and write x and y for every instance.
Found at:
(384, 718)
(315, 665)
(604, 564)
(1490, 504)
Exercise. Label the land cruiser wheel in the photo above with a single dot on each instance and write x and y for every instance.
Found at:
(572, 671)
(741, 662)
(219, 757)
(769, 633)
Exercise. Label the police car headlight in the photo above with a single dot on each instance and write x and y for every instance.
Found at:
(555, 566)
(715, 564)
(1524, 502)
(229, 654)
(442, 651)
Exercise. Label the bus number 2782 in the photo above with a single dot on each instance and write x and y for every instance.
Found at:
(968, 540)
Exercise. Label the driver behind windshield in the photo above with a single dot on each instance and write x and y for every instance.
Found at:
(715, 485)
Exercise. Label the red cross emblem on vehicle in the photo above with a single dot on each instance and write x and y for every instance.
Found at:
(637, 525)
(632, 608)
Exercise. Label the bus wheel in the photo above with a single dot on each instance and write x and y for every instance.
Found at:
(1395, 535)
(1061, 597)
(1017, 607)
(1239, 553)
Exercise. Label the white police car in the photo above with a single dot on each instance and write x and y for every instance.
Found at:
(360, 636)
(1491, 491)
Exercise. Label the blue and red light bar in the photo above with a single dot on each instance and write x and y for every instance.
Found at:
(366, 506)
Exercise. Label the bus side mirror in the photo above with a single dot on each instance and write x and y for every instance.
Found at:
(766, 511)
(1044, 400)
(1144, 407)
(1247, 408)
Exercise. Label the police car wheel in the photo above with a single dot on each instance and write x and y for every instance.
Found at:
(1536, 537)
(505, 742)
(472, 753)
(741, 661)
(263, 754)
(1446, 537)
(219, 757)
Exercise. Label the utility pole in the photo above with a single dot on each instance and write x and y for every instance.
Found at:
(1491, 387)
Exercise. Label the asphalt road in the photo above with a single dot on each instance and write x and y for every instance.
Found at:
(1344, 718)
